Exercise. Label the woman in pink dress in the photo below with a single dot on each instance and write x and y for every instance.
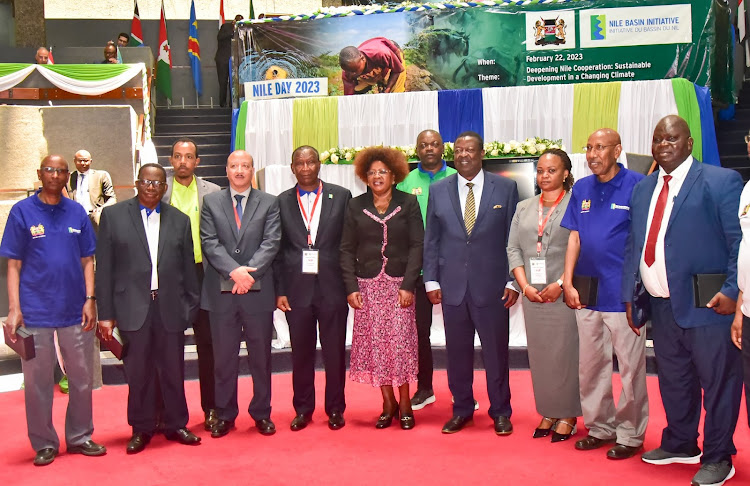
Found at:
(381, 257)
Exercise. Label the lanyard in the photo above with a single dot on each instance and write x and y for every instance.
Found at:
(543, 223)
(236, 216)
(308, 221)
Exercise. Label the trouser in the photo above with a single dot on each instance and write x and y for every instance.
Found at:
(205, 350)
(424, 323)
(222, 71)
(38, 374)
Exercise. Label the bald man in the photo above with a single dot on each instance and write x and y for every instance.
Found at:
(91, 188)
(42, 56)
(240, 236)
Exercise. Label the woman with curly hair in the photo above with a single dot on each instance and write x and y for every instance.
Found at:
(381, 257)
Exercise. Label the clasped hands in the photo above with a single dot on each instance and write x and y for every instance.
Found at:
(243, 281)
(405, 299)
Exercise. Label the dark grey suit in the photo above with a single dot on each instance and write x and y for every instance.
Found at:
(154, 329)
(235, 316)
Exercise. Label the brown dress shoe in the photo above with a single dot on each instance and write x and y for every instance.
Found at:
(590, 442)
(45, 456)
(620, 451)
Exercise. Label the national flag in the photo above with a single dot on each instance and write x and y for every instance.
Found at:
(221, 13)
(164, 64)
(136, 33)
(49, 58)
(194, 50)
(252, 11)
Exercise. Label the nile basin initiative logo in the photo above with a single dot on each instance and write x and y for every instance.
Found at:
(598, 27)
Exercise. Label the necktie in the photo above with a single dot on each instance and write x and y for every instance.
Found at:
(239, 198)
(470, 215)
(650, 255)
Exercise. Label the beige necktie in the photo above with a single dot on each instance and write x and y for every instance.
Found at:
(470, 215)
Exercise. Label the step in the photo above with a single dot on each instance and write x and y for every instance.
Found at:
(221, 181)
(174, 112)
(197, 119)
(222, 149)
(734, 161)
(200, 140)
(192, 129)
(206, 159)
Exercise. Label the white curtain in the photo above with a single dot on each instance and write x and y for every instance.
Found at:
(642, 105)
(7, 82)
(268, 134)
(521, 112)
(275, 179)
(394, 119)
(90, 88)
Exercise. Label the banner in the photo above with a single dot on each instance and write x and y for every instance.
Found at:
(451, 46)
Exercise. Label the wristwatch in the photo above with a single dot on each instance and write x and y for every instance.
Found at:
(90, 297)
(559, 282)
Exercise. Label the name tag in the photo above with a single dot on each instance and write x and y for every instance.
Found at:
(310, 261)
(538, 270)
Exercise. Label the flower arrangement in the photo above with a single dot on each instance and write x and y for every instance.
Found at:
(530, 147)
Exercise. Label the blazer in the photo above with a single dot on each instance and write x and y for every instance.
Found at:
(476, 265)
(204, 187)
(702, 236)
(226, 248)
(362, 241)
(101, 190)
(123, 268)
(290, 281)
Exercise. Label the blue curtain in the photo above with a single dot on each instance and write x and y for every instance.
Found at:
(460, 111)
(710, 146)
(235, 117)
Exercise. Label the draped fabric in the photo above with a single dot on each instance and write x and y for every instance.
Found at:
(268, 136)
(460, 111)
(12, 74)
(642, 105)
(89, 79)
(687, 108)
(275, 179)
(518, 113)
(708, 132)
(239, 118)
(395, 119)
(595, 106)
(315, 122)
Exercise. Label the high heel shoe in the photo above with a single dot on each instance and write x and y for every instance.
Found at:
(407, 421)
(539, 433)
(385, 420)
(558, 437)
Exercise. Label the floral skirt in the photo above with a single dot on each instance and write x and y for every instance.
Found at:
(384, 338)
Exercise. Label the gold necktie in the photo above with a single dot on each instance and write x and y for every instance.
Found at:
(470, 215)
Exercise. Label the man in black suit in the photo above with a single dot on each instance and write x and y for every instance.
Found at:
(240, 235)
(147, 287)
(309, 287)
(223, 53)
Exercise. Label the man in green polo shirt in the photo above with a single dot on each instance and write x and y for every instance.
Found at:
(185, 191)
(431, 168)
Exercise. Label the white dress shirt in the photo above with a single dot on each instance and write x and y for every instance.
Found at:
(151, 224)
(655, 277)
(743, 258)
(82, 191)
(307, 202)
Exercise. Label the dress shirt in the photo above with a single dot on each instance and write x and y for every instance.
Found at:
(185, 198)
(655, 277)
(743, 257)
(307, 202)
(245, 193)
(151, 223)
(82, 192)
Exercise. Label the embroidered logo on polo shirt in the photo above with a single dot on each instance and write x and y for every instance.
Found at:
(745, 211)
(417, 191)
(73, 230)
(586, 205)
(37, 231)
(617, 206)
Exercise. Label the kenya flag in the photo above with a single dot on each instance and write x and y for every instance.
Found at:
(164, 65)
(136, 33)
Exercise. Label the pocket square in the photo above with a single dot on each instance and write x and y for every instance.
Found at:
(497, 206)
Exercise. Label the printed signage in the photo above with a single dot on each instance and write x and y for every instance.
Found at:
(286, 88)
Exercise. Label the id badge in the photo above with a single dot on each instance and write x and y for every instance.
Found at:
(310, 261)
(538, 270)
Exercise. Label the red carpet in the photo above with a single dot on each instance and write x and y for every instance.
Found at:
(356, 455)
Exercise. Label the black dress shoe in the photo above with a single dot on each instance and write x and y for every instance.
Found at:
(407, 421)
(336, 421)
(385, 420)
(211, 420)
(503, 425)
(183, 436)
(590, 443)
(620, 451)
(222, 428)
(456, 423)
(265, 426)
(137, 443)
(45, 456)
(300, 422)
(88, 448)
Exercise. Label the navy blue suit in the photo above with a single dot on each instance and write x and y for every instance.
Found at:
(472, 272)
(692, 345)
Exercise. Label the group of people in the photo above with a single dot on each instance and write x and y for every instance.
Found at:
(184, 252)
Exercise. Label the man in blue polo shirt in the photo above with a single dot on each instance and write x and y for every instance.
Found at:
(50, 243)
(598, 217)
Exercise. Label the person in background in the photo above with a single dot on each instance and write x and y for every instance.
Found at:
(42, 56)
(110, 54)
(377, 63)
(223, 53)
(123, 39)
(91, 188)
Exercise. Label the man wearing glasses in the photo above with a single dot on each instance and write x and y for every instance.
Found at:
(598, 217)
(93, 189)
(49, 243)
(148, 288)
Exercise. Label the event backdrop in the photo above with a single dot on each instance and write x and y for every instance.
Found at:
(511, 43)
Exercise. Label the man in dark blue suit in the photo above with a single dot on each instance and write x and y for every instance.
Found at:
(684, 223)
(468, 221)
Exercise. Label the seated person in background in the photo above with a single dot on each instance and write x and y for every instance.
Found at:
(42, 56)
(376, 62)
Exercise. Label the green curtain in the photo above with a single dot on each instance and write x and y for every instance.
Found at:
(595, 106)
(239, 133)
(315, 121)
(688, 108)
(11, 67)
(88, 72)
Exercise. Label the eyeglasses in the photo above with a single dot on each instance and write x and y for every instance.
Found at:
(381, 172)
(156, 184)
(54, 170)
(597, 148)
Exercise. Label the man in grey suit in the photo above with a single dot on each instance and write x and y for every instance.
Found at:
(468, 220)
(240, 235)
(91, 188)
(185, 191)
(146, 286)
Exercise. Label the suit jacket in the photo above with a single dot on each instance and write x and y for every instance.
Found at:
(702, 236)
(476, 264)
(101, 190)
(362, 241)
(123, 268)
(224, 42)
(290, 281)
(204, 187)
(226, 248)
